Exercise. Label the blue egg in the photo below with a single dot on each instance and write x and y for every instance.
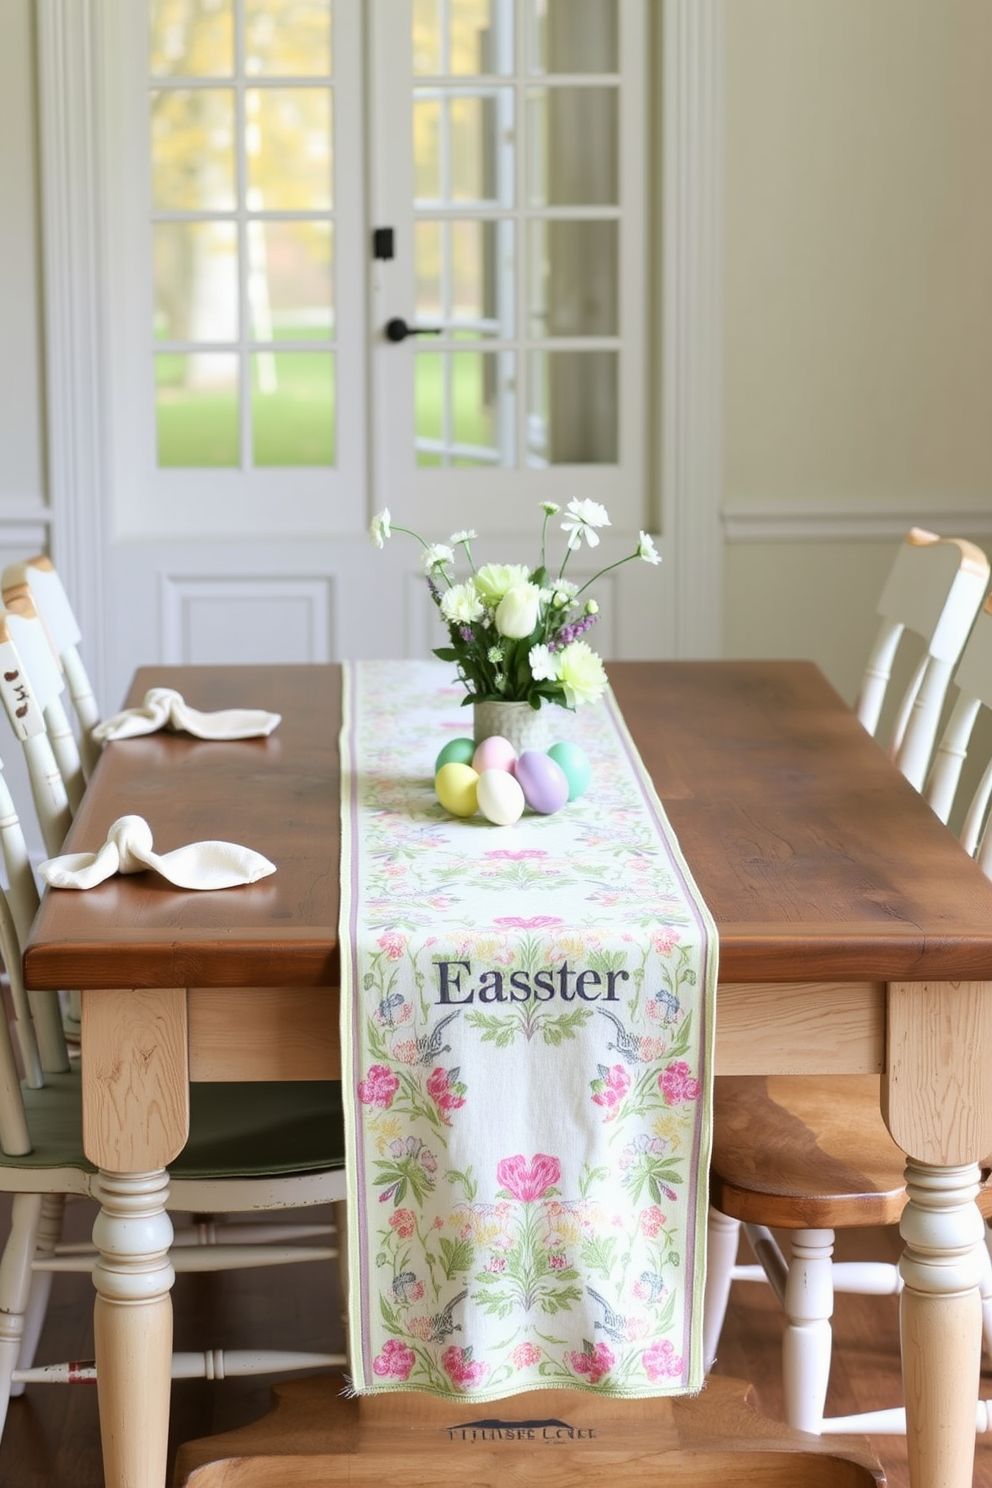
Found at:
(455, 752)
(575, 766)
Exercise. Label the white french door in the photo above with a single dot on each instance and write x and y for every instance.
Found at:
(280, 181)
(517, 197)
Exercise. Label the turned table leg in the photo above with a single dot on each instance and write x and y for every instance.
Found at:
(132, 1322)
(938, 1106)
(941, 1321)
(135, 1077)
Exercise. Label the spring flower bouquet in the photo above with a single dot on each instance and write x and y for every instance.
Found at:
(515, 633)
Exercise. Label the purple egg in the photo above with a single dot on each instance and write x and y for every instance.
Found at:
(542, 781)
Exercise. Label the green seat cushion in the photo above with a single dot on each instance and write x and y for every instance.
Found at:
(244, 1129)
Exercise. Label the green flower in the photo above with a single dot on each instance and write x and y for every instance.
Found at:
(460, 605)
(581, 674)
(493, 580)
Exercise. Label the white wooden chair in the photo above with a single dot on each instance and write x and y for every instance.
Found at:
(30, 682)
(251, 1148)
(934, 589)
(812, 1155)
(37, 580)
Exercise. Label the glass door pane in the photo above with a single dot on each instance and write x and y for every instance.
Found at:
(516, 204)
(243, 211)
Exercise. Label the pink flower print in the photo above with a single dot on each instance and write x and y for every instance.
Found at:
(610, 1088)
(528, 1181)
(517, 855)
(525, 1354)
(677, 1085)
(404, 1222)
(652, 1221)
(650, 1049)
(665, 939)
(378, 1087)
(536, 922)
(662, 1362)
(393, 943)
(593, 1363)
(445, 1089)
(406, 1051)
(558, 1260)
(497, 1264)
(461, 1368)
(395, 1361)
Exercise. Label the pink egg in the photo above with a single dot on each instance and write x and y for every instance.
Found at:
(494, 753)
(542, 781)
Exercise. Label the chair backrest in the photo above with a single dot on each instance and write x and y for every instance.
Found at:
(37, 578)
(934, 589)
(47, 677)
(973, 679)
(37, 1016)
(25, 712)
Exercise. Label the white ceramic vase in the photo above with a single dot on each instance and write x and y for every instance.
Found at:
(524, 726)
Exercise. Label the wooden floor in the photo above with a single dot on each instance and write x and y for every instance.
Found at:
(51, 1439)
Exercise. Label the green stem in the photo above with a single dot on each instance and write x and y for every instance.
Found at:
(609, 567)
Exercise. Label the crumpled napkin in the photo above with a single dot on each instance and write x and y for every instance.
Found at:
(164, 707)
(128, 849)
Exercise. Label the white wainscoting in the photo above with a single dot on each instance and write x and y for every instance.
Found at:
(246, 619)
(842, 521)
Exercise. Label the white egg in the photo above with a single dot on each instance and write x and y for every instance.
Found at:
(501, 799)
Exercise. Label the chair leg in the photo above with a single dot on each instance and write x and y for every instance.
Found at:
(47, 1238)
(341, 1225)
(15, 1287)
(722, 1240)
(808, 1341)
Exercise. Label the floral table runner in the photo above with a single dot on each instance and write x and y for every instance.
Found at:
(527, 1027)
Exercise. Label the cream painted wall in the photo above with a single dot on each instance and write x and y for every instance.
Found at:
(858, 304)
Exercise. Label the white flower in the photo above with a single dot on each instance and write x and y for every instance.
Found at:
(592, 607)
(460, 605)
(647, 550)
(495, 655)
(461, 537)
(581, 674)
(583, 517)
(379, 529)
(516, 613)
(550, 507)
(543, 664)
(436, 556)
(494, 579)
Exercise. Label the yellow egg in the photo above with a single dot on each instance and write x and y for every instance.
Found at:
(456, 788)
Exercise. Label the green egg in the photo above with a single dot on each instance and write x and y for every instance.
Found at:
(575, 766)
(455, 752)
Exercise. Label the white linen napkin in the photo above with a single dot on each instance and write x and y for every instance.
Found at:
(164, 707)
(128, 849)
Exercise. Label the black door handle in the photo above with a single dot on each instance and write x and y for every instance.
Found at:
(398, 330)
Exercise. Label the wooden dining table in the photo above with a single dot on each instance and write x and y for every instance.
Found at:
(855, 936)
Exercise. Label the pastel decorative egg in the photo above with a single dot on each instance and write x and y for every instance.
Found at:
(501, 798)
(494, 753)
(575, 763)
(542, 781)
(456, 786)
(457, 751)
